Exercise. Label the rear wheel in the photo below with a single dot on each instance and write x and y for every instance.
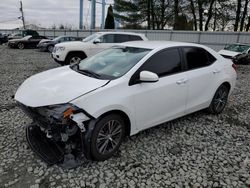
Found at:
(74, 58)
(20, 45)
(219, 100)
(107, 137)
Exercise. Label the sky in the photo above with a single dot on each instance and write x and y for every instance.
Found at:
(46, 13)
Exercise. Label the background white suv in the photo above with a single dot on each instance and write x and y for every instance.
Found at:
(73, 52)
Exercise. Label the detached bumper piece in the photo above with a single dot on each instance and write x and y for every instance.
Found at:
(45, 148)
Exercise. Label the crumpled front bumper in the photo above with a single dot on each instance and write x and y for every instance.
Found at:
(47, 149)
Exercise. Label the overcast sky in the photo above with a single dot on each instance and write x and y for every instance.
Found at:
(45, 13)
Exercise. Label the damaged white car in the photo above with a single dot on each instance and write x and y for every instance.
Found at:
(85, 110)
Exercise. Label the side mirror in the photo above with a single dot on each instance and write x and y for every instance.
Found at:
(96, 41)
(147, 76)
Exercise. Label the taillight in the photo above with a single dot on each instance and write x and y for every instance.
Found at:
(234, 66)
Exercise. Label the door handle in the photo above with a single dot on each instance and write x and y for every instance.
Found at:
(182, 81)
(179, 82)
(185, 81)
(216, 71)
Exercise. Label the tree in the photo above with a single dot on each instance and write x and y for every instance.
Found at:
(110, 22)
(237, 18)
(244, 15)
(156, 13)
(194, 15)
(210, 14)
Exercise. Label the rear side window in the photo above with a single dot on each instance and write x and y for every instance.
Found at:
(121, 38)
(134, 37)
(164, 63)
(197, 57)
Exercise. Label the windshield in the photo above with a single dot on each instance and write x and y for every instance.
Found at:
(57, 38)
(237, 48)
(91, 37)
(112, 63)
(27, 37)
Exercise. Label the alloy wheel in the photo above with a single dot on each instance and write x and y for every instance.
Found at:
(109, 137)
(74, 60)
(220, 99)
(20, 46)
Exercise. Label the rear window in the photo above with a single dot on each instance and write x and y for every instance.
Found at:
(197, 57)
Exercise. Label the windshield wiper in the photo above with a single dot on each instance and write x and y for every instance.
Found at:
(86, 71)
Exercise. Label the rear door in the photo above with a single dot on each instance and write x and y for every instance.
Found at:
(160, 101)
(202, 73)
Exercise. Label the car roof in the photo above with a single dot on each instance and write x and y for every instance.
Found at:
(119, 32)
(158, 44)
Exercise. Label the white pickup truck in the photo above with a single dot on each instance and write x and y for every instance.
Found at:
(73, 52)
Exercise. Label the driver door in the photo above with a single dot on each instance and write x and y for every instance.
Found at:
(106, 41)
(158, 102)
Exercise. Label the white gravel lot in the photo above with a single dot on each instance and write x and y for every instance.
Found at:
(199, 150)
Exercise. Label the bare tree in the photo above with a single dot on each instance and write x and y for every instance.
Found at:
(237, 18)
(200, 10)
(210, 14)
(194, 15)
(244, 15)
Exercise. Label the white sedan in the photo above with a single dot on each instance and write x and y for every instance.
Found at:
(88, 108)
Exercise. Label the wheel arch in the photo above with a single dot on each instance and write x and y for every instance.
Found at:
(76, 52)
(123, 115)
(227, 84)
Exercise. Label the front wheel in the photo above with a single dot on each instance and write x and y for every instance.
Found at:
(219, 100)
(50, 48)
(20, 45)
(74, 58)
(107, 137)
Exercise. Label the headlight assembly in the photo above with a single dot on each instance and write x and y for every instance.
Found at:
(60, 48)
(59, 112)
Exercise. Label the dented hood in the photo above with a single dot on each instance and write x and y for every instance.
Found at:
(55, 86)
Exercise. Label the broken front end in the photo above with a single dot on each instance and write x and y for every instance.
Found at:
(59, 134)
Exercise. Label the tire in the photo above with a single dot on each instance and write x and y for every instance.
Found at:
(20, 45)
(50, 48)
(219, 100)
(74, 58)
(103, 145)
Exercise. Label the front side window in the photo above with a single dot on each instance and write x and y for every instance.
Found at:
(197, 57)
(91, 37)
(109, 38)
(164, 63)
(112, 63)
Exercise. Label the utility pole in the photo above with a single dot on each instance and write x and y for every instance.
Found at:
(93, 7)
(81, 15)
(21, 9)
(103, 13)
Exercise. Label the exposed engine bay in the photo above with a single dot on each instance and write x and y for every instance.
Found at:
(59, 134)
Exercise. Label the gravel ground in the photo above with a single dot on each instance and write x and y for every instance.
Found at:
(199, 150)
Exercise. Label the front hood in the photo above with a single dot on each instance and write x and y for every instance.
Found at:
(15, 40)
(56, 86)
(228, 53)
